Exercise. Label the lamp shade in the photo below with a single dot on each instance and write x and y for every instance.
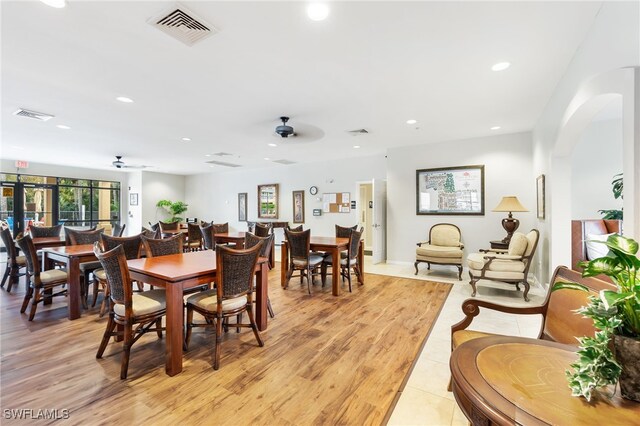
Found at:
(510, 204)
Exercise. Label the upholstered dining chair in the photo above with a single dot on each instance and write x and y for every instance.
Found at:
(233, 295)
(194, 242)
(143, 310)
(208, 237)
(251, 240)
(300, 258)
(39, 281)
(86, 268)
(510, 266)
(132, 248)
(348, 263)
(45, 231)
(14, 262)
(444, 247)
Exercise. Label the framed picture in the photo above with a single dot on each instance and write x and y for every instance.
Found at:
(242, 207)
(450, 191)
(298, 206)
(133, 199)
(540, 196)
(268, 201)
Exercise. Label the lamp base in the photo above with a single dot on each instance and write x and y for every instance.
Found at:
(510, 225)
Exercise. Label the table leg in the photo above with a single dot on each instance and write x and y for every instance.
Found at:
(284, 264)
(335, 271)
(272, 256)
(174, 326)
(262, 292)
(73, 271)
(361, 262)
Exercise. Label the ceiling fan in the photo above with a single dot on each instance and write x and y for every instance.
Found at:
(119, 164)
(284, 130)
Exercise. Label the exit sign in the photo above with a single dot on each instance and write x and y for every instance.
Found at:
(22, 164)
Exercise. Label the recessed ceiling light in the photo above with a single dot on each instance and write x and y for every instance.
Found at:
(495, 128)
(186, 139)
(55, 3)
(356, 146)
(124, 99)
(267, 158)
(207, 155)
(412, 121)
(500, 66)
(273, 144)
(62, 126)
(317, 11)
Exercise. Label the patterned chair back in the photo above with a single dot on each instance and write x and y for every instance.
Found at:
(162, 247)
(45, 231)
(299, 244)
(235, 270)
(220, 228)
(251, 240)
(208, 239)
(118, 230)
(114, 263)
(84, 237)
(344, 232)
(131, 245)
(26, 245)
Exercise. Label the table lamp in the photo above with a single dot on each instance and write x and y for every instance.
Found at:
(509, 204)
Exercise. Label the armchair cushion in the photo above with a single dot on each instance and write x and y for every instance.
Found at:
(594, 249)
(518, 244)
(445, 235)
(429, 250)
(477, 261)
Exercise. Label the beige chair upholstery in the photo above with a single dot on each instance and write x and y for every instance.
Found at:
(511, 265)
(443, 248)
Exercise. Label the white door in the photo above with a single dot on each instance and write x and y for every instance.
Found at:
(379, 254)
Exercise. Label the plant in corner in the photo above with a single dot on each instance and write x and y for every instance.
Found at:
(617, 188)
(174, 208)
(616, 316)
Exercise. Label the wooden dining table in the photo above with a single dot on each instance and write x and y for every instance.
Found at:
(333, 245)
(72, 256)
(44, 242)
(177, 272)
(237, 238)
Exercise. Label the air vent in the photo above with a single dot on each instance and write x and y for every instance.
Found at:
(222, 163)
(32, 114)
(358, 132)
(183, 25)
(284, 161)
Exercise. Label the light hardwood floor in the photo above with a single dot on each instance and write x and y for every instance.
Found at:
(326, 360)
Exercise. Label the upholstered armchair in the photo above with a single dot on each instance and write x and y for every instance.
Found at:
(509, 266)
(444, 247)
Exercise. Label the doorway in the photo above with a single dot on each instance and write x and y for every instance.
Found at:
(365, 215)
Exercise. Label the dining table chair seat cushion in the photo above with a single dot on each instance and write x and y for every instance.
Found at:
(461, 336)
(430, 250)
(343, 261)
(314, 260)
(21, 260)
(501, 263)
(52, 276)
(208, 300)
(147, 302)
(100, 274)
(89, 266)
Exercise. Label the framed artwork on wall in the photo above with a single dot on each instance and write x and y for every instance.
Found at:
(298, 206)
(268, 201)
(540, 196)
(133, 199)
(450, 191)
(242, 207)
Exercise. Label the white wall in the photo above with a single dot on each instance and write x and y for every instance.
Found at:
(508, 171)
(611, 43)
(214, 196)
(594, 162)
(156, 187)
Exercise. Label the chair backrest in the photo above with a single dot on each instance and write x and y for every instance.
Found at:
(208, 238)
(251, 240)
(445, 235)
(114, 263)
(131, 245)
(354, 243)
(45, 231)
(345, 232)
(193, 231)
(220, 228)
(299, 243)
(169, 226)
(7, 240)
(154, 226)
(298, 228)
(162, 247)
(26, 245)
(263, 230)
(84, 237)
(560, 321)
(68, 230)
(234, 272)
(118, 230)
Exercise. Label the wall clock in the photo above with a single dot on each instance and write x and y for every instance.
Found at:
(313, 190)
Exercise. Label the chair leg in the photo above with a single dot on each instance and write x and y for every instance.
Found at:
(6, 275)
(27, 297)
(526, 290)
(254, 327)
(189, 327)
(459, 272)
(108, 332)
(159, 327)
(126, 350)
(34, 304)
(415, 265)
(269, 308)
(216, 354)
(309, 278)
(238, 321)
(473, 284)
(349, 277)
(96, 288)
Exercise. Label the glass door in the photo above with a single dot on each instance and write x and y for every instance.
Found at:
(7, 205)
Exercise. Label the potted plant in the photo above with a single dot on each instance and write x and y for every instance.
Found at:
(613, 354)
(174, 208)
(617, 187)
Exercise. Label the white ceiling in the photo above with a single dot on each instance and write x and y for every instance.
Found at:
(370, 65)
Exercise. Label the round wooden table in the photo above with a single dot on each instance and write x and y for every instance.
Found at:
(515, 380)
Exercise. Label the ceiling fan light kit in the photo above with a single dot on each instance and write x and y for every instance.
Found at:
(284, 130)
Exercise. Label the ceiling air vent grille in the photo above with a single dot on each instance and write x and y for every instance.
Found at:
(222, 163)
(183, 25)
(283, 161)
(358, 132)
(32, 114)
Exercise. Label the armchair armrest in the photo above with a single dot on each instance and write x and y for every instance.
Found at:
(498, 251)
(471, 309)
(419, 244)
(504, 257)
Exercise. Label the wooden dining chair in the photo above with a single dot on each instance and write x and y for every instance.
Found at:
(162, 247)
(14, 262)
(233, 295)
(251, 240)
(128, 309)
(194, 243)
(300, 257)
(39, 281)
(220, 228)
(118, 230)
(263, 230)
(86, 268)
(45, 231)
(348, 263)
(208, 237)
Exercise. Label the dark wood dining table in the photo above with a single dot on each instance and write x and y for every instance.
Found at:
(237, 238)
(501, 380)
(44, 242)
(333, 245)
(72, 256)
(177, 272)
